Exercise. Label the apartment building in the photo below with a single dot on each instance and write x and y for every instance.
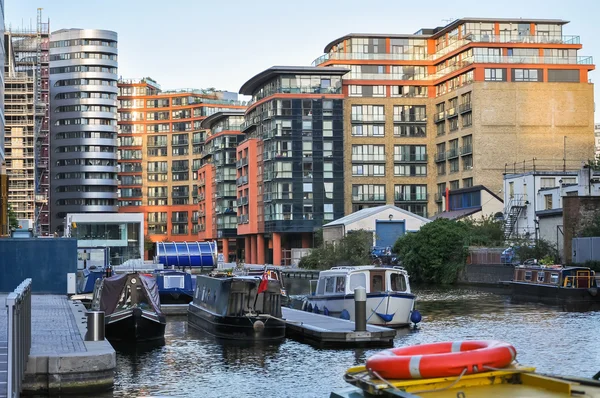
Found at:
(294, 132)
(3, 175)
(30, 47)
(217, 177)
(456, 103)
(83, 89)
(161, 143)
(597, 140)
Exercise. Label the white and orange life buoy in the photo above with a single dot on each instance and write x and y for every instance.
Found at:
(445, 359)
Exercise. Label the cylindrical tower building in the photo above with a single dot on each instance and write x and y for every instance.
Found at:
(83, 90)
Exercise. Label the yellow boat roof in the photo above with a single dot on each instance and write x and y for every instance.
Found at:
(512, 381)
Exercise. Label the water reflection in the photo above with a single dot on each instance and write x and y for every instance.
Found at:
(194, 364)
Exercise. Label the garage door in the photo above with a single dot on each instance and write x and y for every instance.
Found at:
(387, 232)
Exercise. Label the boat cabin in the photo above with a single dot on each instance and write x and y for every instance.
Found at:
(569, 277)
(343, 280)
(237, 296)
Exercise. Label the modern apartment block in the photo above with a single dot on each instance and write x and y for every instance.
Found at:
(161, 143)
(217, 182)
(294, 128)
(27, 103)
(83, 90)
(3, 175)
(449, 107)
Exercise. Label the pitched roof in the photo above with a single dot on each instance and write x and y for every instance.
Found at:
(456, 214)
(368, 212)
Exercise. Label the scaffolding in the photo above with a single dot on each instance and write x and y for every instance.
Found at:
(31, 59)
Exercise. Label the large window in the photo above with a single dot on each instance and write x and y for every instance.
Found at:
(495, 75)
(376, 170)
(369, 130)
(368, 153)
(368, 193)
(527, 75)
(368, 113)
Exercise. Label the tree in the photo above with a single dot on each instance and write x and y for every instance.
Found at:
(435, 253)
(148, 244)
(594, 164)
(352, 249)
(541, 250)
(13, 222)
(485, 231)
(592, 227)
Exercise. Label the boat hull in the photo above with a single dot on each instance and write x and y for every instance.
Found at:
(135, 325)
(551, 294)
(176, 298)
(236, 327)
(400, 305)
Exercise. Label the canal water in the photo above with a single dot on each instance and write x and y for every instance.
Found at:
(193, 364)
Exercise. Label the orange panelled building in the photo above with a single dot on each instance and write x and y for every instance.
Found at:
(217, 179)
(161, 144)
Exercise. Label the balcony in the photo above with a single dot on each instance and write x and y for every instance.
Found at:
(180, 142)
(368, 56)
(368, 158)
(161, 144)
(242, 180)
(466, 149)
(384, 76)
(201, 195)
(466, 107)
(179, 168)
(452, 112)
(177, 194)
(243, 200)
(158, 195)
(410, 158)
(532, 59)
(541, 39)
(439, 116)
(249, 123)
(243, 219)
(452, 153)
(440, 157)
(410, 197)
(368, 198)
(226, 193)
(439, 196)
(410, 118)
(161, 221)
(368, 118)
(179, 220)
(241, 163)
(201, 182)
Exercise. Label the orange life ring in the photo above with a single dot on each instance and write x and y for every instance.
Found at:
(445, 359)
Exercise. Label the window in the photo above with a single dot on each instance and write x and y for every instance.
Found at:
(554, 278)
(441, 128)
(329, 284)
(453, 185)
(368, 113)
(410, 170)
(377, 283)
(409, 130)
(368, 153)
(368, 193)
(527, 75)
(541, 276)
(369, 130)
(467, 119)
(397, 283)
(376, 170)
(467, 162)
(563, 75)
(453, 124)
(467, 182)
(495, 75)
(340, 284)
(358, 280)
(547, 182)
(548, 202)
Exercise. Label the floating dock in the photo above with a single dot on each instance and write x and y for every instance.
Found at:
(174, 309)
(327, 331)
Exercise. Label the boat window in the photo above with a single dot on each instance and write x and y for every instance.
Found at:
(358, 280)
(340, 284)
(527, 275)
(554, 278)
(321, 287)
(376, 283)
(540, 276)
(329, 283)
(397, 282)
(173, 282)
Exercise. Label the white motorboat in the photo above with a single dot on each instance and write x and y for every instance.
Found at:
(389, 299)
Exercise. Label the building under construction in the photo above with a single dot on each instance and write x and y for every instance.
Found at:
(27, 104)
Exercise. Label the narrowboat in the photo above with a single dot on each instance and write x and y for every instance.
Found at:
(175, 287)
(389, 299)
(470, 368)
(273, 272)
(237, 307)
(555, 284)
(131, 307)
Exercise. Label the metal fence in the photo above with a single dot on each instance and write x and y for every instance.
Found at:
(586, 249)
(18, 306)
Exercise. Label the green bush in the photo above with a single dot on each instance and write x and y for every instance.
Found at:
(353, 249)
(435, 253)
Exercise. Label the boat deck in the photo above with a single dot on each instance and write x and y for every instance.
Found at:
(174, 309)
(322, 330)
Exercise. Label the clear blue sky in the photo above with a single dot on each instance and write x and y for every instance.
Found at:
(207, 43)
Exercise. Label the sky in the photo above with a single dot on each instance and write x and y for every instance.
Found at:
(222, 44)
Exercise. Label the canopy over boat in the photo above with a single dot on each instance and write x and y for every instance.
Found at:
(118, 292)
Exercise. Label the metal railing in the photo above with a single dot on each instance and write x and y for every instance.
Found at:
(18, 306)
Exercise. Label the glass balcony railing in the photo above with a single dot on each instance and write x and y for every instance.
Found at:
(440, 157)
(532, 59)
(452, 46)
(367, 118)
(466, 149)
(417, 158)
(410, 197)
(368, 197)
(452, 153)
(462, 108)
(399, 118)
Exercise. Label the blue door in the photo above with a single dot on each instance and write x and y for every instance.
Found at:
(387, 232)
